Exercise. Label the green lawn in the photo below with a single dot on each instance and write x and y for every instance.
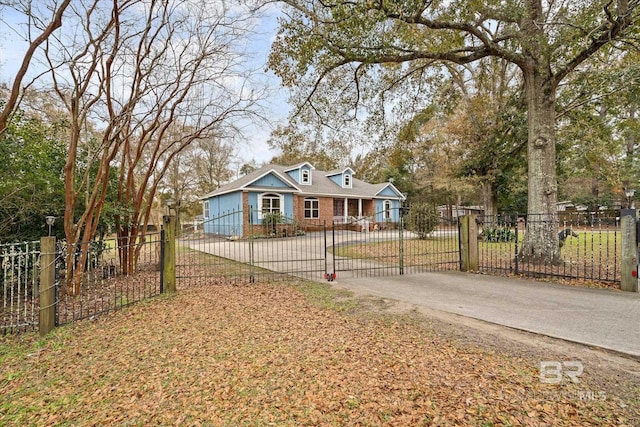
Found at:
(415, 251)
(592, 254)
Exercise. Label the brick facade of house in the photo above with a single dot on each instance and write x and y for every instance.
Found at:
(325, 209)
(325, 212)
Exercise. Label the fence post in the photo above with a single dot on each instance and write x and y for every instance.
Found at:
(252, 277)
(515, 252)
(162, 244)
(629, 273)
(469, 243)
(169, 255)
(324, 244)
(401, 240)
(47, 284)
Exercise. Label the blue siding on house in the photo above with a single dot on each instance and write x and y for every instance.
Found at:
(337, 179)
(225, 215)
(395, 210)
(295, 175)
(288, 206)
(388, 191)
(270, 180)
(225, 203)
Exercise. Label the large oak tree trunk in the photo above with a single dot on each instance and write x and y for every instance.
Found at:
(489, 199)
(541, 239)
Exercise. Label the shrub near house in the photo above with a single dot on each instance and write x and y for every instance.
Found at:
(422, 219)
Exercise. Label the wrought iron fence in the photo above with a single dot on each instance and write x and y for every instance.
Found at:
(239, 246)
(105, 275)
(91, 278)
(235, 246)
(19, 283)
(589, 246)
(417, 242)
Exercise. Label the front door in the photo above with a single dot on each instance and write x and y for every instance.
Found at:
(353, 209)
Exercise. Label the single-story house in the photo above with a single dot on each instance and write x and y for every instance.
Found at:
(300, 193)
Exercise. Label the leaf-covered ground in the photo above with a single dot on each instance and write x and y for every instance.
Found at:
(282, 355)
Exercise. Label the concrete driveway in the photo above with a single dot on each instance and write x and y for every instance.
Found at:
(602, 318)
(596, 317)
(300, 256)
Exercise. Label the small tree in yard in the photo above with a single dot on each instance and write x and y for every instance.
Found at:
(270, 222)
(422, 220)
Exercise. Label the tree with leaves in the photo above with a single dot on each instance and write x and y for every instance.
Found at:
(339, 46)
(300, 141)
(598, 134)
(32, 156)
(486, 119)
(198, 169)
(211, 162)
(432, 145)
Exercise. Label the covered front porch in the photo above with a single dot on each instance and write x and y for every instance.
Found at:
(347, 209)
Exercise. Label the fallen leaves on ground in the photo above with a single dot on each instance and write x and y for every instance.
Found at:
(263, 354)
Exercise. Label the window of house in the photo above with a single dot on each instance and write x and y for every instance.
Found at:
(386, 210)
(347, 180)
(271, 203)
(306, 176)
(205, 209)
(311, 208)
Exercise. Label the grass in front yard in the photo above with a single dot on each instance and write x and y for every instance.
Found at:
(416, 252)
(273, 354)
(587, 245)
(593, 257)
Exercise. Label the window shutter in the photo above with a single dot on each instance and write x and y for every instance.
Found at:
(260, 207)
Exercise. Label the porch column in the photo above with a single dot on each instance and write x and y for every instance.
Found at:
(346, 209)
(359, 208)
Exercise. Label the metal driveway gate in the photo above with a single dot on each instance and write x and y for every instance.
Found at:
(413, 244)
(239, 247)
(233, 246)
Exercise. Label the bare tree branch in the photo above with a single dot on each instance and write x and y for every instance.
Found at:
(16, 87)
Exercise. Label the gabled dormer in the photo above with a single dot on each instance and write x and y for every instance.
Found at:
(301, 173)
(342, 177)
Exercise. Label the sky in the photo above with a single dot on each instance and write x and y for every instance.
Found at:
(254, 148)
(277, 106)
